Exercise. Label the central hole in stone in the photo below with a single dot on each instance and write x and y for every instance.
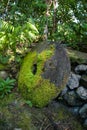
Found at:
(34, 69)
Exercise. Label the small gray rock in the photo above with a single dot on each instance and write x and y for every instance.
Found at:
(72, 99)
(83, 111)
(80, 69)
(73, 81)
(82, 92)
(75, 110)
(83, 80)
(3, 74)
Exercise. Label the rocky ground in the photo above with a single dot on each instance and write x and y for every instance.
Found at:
(75, 93)
(16, 115)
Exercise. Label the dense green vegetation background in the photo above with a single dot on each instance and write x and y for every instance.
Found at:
(22, 22)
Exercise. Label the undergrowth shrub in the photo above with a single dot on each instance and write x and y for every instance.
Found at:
(6, 86)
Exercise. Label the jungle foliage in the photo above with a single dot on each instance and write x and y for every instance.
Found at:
(24, 22)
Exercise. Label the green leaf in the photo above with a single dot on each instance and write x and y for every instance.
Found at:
(32, 27)
(29, 103)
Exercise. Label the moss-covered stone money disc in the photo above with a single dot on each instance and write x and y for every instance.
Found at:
(43, 74)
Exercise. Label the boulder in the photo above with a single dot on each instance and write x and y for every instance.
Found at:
(44, 73)
(77, 56)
